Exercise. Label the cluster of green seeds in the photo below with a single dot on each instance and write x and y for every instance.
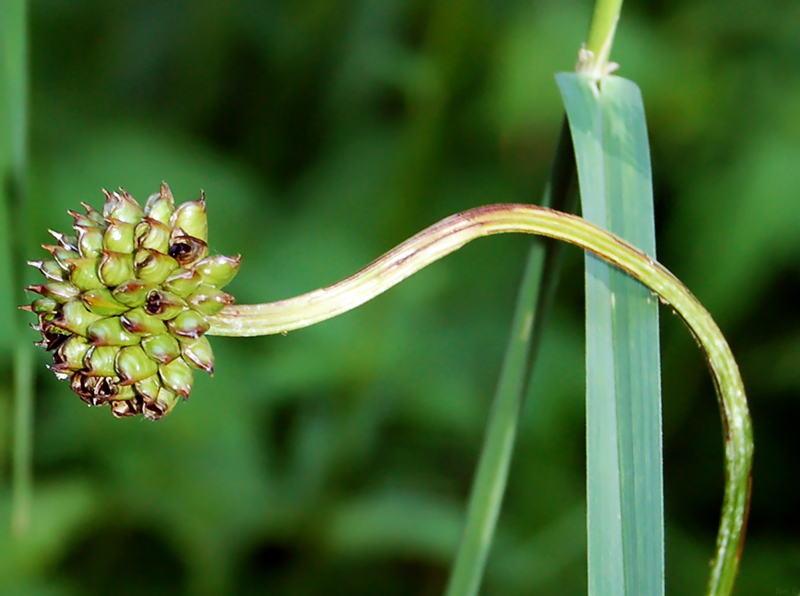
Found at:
(126, 299)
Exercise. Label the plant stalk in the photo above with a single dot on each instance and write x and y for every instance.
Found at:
(14, 84)
(601, 38)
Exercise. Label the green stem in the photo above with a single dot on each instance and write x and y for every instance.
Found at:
(14, 84)
(454, 232)
(601, 38)
(23, 439)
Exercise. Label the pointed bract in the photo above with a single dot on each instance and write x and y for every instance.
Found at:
(191, 218)
(218, 271)
(162, 406)
(102, 302)
(65, 241)
(115, 268)
(152, 234)
(177, 376)
(93, 214)
(198, 354)
(61, 255)
(152, 266)
(138, 321)
(60, 291)
(189, 323)
(122, 206)
(161, 205)
(110, 332)
(162, 348)
(183, 282)
(90, 241)
(134, 365)
(83, 274)
(118, 236)
(50, 269)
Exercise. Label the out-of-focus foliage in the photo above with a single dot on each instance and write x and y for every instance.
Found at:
(338, 459)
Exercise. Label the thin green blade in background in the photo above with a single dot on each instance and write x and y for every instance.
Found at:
(7, 306)
(13, 171)
(534, 299)
(9, 88)
(625, 515)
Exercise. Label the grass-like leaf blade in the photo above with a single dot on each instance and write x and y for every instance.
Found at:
(539, 282)
(624, 460)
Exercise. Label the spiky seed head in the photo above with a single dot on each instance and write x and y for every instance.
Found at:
(125, 302)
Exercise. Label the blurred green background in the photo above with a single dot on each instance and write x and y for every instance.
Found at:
(338, 459)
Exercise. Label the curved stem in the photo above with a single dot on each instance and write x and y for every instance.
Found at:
(454, 232)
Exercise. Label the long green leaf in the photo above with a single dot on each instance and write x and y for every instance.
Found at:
(533, 303)
(623, 396)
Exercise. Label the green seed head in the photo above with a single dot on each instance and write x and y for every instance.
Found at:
(125, 300)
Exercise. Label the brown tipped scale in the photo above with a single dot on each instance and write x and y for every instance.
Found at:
(133, 293)
(162, 348)
(161, 406)
(148, 388)
(133, 365)
(102, 302)
(218, 271)
(177, 376)
(190, 323)
(198, 354)
(125, 303)
(140, 322)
